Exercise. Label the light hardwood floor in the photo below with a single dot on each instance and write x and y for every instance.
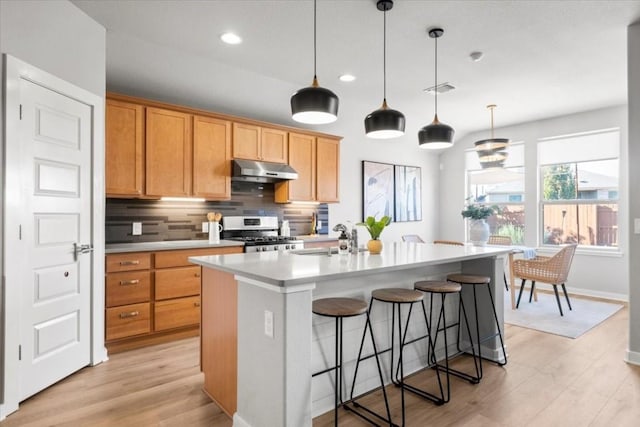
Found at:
(549, 381)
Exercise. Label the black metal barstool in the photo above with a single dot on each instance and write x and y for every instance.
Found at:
(442, 288)
(397, 297)
(339, 308)
(475, 281)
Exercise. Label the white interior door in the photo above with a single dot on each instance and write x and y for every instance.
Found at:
(55, 283)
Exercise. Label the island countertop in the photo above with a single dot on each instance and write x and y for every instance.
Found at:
(290, 269)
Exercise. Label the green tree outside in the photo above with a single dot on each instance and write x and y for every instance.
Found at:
(559, 182)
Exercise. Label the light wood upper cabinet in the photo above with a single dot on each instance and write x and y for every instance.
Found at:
(274, 145)
(327, 170)
(168, 153)
(124, 163)
(302, 158)
(246, 141)
(258, 143)
(317, 161)
(211, 158)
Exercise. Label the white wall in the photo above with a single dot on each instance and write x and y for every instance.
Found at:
(634, 190)
(57, 37)
(595, 275)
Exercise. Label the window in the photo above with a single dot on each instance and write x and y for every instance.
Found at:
(579, 188)
(503, 188)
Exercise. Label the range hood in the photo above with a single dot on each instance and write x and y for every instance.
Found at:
(254, 171)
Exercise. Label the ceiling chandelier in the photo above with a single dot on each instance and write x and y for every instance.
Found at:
(437, 134)
(384, 122)
(314, 104)
(492, 152)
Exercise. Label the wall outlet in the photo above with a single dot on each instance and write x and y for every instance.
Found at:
(136, 230)
(205, 227)
(268, 323)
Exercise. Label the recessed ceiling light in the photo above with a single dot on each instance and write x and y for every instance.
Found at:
(347, 78)
(231, 38)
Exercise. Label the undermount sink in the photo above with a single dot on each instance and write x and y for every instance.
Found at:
(319, 251)
(314, 251)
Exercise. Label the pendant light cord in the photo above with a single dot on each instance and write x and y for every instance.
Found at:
(435, 89)
(384, 58)
(314, 41)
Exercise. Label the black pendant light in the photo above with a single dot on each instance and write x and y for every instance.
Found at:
(492, 152)
(437, 134)
(314, 104)
(385, 122)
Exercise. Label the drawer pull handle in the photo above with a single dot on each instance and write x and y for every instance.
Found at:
(130, 314)
(133, 262)
(129, 282)
(196, 304)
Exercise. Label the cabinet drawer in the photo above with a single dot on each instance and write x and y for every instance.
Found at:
(180, 258)
(128, 287)
(176, 313)
(177, 282)
(128, 320)
(128, 262)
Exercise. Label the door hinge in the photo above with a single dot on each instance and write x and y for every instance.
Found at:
(20, 111)
(19, 352)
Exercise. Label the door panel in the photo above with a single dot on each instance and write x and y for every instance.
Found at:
(55, 138)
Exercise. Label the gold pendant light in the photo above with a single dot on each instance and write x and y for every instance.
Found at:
(492, 152)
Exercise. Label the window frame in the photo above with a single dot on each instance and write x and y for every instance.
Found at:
(590, 249)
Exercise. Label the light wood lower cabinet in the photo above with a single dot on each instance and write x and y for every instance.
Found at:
(219, 338)
(176, 313)
(128, 320)
(153, 297)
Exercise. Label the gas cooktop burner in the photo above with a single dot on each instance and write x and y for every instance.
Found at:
(264, 240)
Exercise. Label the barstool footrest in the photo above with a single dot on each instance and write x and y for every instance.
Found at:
(424, 394)
(357, 406)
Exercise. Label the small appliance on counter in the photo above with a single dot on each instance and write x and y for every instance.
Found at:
(258, 233)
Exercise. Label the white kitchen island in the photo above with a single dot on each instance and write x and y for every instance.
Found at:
(275, 362)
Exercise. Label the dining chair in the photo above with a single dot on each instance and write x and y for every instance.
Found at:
(412, 238)
(495, 239)
(553, 270)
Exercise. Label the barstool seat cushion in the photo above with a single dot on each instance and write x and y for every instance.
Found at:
(339, 307)
(397, 295)
(468, 279)
(438, 286)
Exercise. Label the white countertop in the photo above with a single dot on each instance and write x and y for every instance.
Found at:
(167, 245)
(287, 269)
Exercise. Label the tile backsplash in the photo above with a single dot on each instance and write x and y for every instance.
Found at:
(163, 220)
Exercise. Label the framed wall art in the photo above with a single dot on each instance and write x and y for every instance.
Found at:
(408, 191)
(377, 190)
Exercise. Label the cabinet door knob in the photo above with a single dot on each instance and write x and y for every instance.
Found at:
(196, 304)
(197, 274)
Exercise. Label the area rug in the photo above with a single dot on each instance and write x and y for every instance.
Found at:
(544, 315)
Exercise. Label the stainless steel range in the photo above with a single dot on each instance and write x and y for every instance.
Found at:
(259, 233)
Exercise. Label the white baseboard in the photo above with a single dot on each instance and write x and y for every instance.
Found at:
(239, 422)
(581, 292)
(632, 357)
